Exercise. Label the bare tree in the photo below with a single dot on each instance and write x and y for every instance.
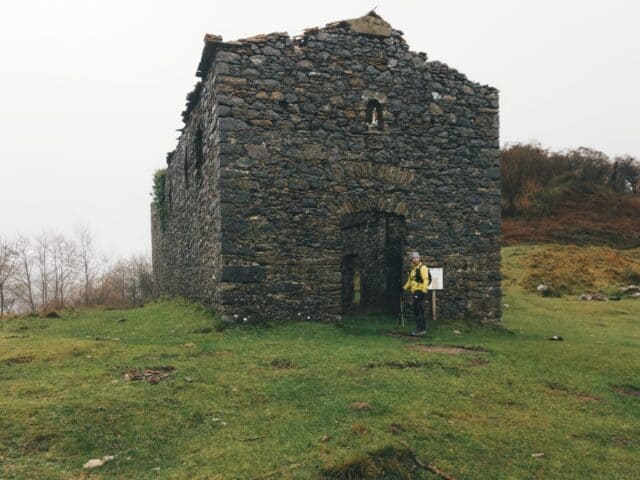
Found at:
(145, 278)
(522, 166)
(102, 285)
(23, 285)
(88, 261)
(53, 271)
(64, 264)
(127, 282)
(589, 165)
(8, 265)
(43, 246)
(140, 279)
(625, 177)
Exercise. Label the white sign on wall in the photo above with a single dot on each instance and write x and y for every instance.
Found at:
(437, 279)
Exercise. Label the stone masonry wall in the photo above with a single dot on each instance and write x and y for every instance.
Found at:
(255, 220)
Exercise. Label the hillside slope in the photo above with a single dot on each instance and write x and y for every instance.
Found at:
(581, 219)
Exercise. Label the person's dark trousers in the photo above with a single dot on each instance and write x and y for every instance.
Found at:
(419, 311)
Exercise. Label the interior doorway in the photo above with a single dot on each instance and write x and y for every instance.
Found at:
(372, 246)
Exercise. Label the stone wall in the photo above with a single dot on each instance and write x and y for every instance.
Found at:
(286, 139)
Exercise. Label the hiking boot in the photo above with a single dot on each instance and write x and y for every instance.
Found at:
(418, 333)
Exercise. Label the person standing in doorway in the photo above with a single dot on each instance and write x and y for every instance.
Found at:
(417, 284)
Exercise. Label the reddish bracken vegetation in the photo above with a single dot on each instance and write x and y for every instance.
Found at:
(580, 196)
(595, 220)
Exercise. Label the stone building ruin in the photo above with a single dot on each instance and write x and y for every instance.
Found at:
(309, 167)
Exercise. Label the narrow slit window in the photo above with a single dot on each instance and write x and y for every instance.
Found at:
(374, 114)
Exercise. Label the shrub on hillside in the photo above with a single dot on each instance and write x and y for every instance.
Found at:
(535, 181)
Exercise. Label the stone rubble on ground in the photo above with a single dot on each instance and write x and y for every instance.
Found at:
(592, 297)
(543, 289)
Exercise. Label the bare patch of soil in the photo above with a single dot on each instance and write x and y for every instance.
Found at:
(281, 363)
(559, 389)
(621, 442)
(397, 364)
(219, 353)
(587, 397)
(41, 442)
(9, 362)
(628, 391)
(403, 336)
(360, 406)
(395, 428)
(449, 350)
(478, 362)
(152, 375)
(360, 428)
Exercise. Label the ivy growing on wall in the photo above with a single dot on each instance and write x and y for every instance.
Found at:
(158, 196)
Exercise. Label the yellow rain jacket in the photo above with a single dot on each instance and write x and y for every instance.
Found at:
(414, 286)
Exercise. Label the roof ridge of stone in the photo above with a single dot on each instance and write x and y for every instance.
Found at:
(371, 24)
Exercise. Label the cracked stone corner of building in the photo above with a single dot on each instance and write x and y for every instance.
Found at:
(309, 167)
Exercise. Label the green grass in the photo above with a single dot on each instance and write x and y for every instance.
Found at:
(250, 401)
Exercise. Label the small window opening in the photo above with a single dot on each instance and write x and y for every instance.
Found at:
(374, 114)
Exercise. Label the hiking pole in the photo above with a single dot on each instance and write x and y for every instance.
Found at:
(402, 308)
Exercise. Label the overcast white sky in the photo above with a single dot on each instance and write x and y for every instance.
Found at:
(91, 91)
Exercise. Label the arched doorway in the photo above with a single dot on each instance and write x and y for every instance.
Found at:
(372, 246)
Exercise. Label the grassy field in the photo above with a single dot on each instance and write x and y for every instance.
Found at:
(308, 400)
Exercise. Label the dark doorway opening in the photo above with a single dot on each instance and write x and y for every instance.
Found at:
(372, 246)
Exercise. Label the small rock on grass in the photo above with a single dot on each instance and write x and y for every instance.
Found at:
(543, 289)
(98, 462)
(151, 375)
(556, 338)
(592, 297)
